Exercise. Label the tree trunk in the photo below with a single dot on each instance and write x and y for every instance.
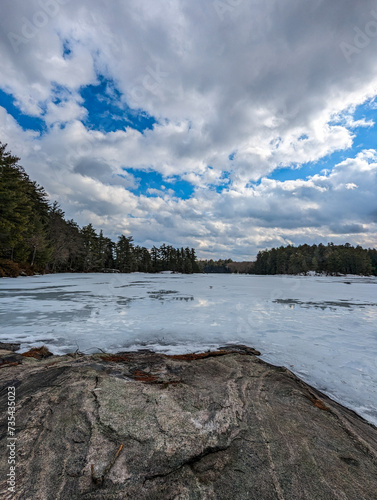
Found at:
(33, 257)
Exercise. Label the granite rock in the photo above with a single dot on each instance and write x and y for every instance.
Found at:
(142, 425)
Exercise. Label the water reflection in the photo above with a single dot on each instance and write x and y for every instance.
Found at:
(36, 295)
(163, 295)
(323, 304)
(46, 317)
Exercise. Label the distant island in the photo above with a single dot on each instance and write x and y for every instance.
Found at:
(35, 237)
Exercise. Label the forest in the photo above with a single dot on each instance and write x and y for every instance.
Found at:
(329, 259)
(35, 237)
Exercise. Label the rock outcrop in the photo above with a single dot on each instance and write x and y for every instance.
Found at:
(222, 425)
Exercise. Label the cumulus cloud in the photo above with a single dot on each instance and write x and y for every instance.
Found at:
(236, 94)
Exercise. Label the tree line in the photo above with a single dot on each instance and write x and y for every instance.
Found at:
(215, 266)
(36, 237)
(330, 259)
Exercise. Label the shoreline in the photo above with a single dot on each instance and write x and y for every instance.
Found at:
(200, 351)
(115, 271)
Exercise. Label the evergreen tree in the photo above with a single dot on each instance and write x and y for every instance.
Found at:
(330, 259)
(23, 214)
(91, 258)
(125, 260)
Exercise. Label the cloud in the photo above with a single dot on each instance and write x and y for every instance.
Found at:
(234, 94)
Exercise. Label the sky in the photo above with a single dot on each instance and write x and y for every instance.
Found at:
(229, 126)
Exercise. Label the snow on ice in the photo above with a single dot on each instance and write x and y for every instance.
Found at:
(322, 328)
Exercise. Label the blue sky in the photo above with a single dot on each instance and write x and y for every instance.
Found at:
(230, 131)
(27, 122)
(107, 112)
(151, 183)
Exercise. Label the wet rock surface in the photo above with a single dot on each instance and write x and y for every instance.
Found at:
(10, 346)
(206, 426)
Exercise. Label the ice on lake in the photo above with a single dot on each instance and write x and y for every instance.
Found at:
(322, 328)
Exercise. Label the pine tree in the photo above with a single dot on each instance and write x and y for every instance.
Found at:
(125, 260)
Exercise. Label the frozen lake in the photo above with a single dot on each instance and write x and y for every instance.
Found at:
(324, 329)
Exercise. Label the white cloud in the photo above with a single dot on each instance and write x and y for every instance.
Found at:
(266, 82)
